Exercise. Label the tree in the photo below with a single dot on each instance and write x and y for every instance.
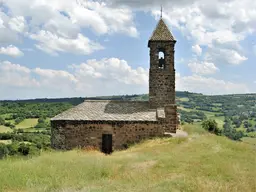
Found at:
(211, 125)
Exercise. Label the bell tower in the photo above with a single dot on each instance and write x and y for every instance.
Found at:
(162, 71)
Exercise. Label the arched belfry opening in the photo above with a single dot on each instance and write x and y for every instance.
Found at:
(161, 59)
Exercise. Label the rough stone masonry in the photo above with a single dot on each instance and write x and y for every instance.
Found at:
(113, 125)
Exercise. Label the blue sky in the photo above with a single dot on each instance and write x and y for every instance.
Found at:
(91, 48)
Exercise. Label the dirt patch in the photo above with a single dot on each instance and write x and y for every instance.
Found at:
(179, 133)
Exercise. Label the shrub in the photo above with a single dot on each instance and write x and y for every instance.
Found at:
(7, 124)
(231, 132)
(6, 136)
(18, 120)
(251, 129)
(23, 149)
(28, 149)
(211, 126)
(13, 148)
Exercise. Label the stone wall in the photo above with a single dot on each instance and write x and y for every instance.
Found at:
(171, 118)
(71, 134)
(161, 81)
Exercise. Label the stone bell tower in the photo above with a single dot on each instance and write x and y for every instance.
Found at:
(162, 71)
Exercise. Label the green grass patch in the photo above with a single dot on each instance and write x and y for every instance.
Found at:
(217, 104)
(252, 122)
(6, 141)
(252, 134)
(194, 128)
(185, 109)
(4, 129)
(220, 121)
(27, 123)
(12, 121)
(241, 129)
(7, 115)
(249, 140)
(185, 99)
(201, 162)
(34, 130)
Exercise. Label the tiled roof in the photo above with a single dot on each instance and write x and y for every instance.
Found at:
(109, 111)
(162, 33)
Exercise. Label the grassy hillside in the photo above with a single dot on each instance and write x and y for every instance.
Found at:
(4, 129)
(201, 162)
(27, 123)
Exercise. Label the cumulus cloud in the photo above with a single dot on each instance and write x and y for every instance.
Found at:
(109, 76)
(1, 24)
(7, 35)
(212, 86)
(225, 56)
(73, 15)
(51, 43)
(149, 4)
(15, 76)
(11, 51)
(17, 24)
(203, 68)
(113, 76)
(197, 49)
(62, 21)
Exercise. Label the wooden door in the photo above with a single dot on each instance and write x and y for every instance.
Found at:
(107, 143)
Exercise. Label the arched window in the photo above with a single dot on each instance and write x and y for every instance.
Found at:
(161, 60)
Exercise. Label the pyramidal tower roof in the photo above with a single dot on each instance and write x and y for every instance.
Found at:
(162, 33)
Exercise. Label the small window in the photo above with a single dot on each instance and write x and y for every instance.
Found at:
(161, 60)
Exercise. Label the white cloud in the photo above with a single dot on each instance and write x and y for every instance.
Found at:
(53, 44)
(225, 56)
(63, 21)
(68, 17)
(149, 4)
(112, 76)
(197, 49)
(203, 68)
(212, 86)
(50, 74)
(7, 35)
(112, 69)
(15, 76)
(11, 51)
(1, 23)
(104, 19)
(17, 24)
(94, 78)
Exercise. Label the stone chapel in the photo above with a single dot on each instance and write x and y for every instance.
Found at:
(112, 125)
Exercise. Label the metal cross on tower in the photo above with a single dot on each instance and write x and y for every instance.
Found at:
(161, 11)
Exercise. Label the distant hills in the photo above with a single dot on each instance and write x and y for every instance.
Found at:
(134, 97)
